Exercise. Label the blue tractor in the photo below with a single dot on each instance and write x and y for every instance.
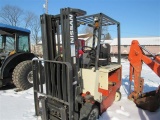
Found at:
(15, 57)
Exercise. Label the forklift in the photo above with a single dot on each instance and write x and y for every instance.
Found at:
(77, 87)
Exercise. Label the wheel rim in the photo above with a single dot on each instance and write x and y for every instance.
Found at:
(93, 115)
(30, 77)
(117, 96)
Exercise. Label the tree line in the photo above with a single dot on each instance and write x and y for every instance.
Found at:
(16, 16)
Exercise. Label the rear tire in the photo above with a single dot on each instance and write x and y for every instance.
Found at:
(22, 75)
(89, 112)
(118, 96)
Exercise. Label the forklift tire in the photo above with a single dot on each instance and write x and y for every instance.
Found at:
(23, 76)
(89, 112)
(118, 96)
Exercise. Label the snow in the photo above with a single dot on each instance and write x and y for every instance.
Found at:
(20, 105)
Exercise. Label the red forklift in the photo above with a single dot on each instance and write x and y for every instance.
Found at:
(77, 87)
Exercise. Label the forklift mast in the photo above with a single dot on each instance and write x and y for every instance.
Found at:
(65, 60)
(65, 24)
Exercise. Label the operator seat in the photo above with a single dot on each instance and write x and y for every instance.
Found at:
(104, 57)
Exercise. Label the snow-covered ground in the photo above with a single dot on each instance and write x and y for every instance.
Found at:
(20, 105)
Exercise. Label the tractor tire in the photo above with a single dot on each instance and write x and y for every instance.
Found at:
(118, 96)
(89, 112)
(23, 76)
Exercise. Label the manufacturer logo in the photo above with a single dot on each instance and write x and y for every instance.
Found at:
(71, 28)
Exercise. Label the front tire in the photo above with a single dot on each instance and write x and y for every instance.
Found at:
(22, 75)
(89, 112)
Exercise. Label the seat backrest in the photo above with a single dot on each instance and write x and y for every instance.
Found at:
(104, 50)
(104, 56)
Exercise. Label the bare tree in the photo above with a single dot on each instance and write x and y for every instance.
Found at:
(87, 29)
(32, 22)
(35, 29)
(15, 16)
(11, 14)
(28, 19)
(108, 36)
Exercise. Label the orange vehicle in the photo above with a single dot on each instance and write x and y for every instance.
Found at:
(136, 58)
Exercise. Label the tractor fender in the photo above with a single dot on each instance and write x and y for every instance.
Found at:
(12, 61)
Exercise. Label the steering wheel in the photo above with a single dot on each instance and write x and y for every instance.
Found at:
(91, 52)
(85, 49)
